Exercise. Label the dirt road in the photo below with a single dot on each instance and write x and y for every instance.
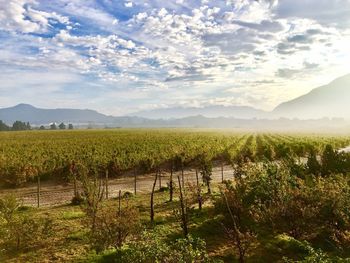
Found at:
(53, 194)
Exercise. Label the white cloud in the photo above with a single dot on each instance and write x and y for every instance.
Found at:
(173, 52)
(128, 4)
(20, 15)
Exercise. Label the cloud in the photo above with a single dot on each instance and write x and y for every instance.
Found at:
(286, 73)
(21, 16)
(137, 53)
(128, 4)
(325, 12)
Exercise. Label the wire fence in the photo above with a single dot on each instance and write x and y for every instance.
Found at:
(49, 194)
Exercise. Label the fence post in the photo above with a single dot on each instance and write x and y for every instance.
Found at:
(182, 176)
(119, 203)
(222, 172)
(171, 184)
(106, 184)
(75, 186)
(38, 191)
(135, 181)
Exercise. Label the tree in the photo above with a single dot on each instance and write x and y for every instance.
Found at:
(92, 193)
(53, 126)
(21, 232)
(62, 126)
(3, 126)
(206, 172)
(329, 160)
(70, 126)
(238, 221)
(113, 228)
(42, 127)
(20, 126)
(313, 165)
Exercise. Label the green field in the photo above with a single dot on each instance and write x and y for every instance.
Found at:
(25, 155)
(289, 201)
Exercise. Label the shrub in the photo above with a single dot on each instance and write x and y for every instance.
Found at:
(19, 232)
(152, 248)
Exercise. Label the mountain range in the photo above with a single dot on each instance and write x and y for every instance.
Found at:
(331, 101)
(213, 111)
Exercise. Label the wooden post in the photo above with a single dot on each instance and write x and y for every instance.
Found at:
(135, 181)
(119, 203)
(171, 191)
(152, 197)
(119, 214)
(160, 179)
(75, 185)
(183, 211)
(106, 183)
(222, 172)
(182, 176)
(199, 192)
(38, 191)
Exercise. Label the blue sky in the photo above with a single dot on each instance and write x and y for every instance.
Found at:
(120, 57)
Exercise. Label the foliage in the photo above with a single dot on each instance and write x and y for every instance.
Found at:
(21, 232)
(20, 126)
(50, 153)
(269, 198)
(152, 248)
(4, 126)
(112, 228)
(62, 126)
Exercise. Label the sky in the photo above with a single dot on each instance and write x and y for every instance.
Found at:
(124, 56)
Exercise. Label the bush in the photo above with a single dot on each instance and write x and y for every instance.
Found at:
(152, 248)
(19, 232)
(272, 199)
(113, 228)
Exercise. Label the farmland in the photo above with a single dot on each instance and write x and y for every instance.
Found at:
(207, 196)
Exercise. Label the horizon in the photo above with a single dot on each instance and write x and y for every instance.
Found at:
(121, 57)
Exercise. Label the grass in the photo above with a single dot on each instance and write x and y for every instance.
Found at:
(71, 215)
(70, 242)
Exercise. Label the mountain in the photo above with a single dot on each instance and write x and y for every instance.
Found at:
(332, 100)
(89, 118)
(215, 111)
(28, 113)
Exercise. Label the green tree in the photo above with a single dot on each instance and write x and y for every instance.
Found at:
(20, 126)
(3, 126)
(53, 126)
(70, 126)
(62, 126)
(329, 160)
(313, 166)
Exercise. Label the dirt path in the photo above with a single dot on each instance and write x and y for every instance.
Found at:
(53, 195)
(345, 150)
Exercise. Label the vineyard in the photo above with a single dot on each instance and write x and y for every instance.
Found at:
(144, 195)
(50, 155)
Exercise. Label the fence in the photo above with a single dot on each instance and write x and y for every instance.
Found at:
(49, 194)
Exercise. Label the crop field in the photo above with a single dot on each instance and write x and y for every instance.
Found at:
(24, 156)
(180, 195)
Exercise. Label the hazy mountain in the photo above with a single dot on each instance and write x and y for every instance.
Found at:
(26, 112)
(332, 100)
(84, 118)
(242, 112)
